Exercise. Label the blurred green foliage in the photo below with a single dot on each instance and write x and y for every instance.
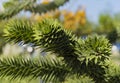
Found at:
(2, 41)
(108, 26)
(6, 80)
(86, 29)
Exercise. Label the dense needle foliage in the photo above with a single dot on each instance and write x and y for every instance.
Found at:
(74, 56)
(76, 60)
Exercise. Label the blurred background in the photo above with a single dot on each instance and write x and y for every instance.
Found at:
(82, 17)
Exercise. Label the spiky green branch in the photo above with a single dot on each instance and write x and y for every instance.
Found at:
(46, 68)
(14, 7)
(19, 30)
(82, 56)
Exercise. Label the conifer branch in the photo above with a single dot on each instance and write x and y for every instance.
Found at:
(15, 9)
(43, 8)
(28, 5)
(81, 56)
(46, 68)
(19, 30)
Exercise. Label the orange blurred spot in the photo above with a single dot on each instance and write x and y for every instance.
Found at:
(45, 1)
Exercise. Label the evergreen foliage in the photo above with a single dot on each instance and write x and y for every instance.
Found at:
(77, 60)
(114, 35)
(87, 58)
(19, 30)
(48, 69)
(13, 7)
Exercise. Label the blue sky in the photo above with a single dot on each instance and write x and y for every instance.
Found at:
(93, 7)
